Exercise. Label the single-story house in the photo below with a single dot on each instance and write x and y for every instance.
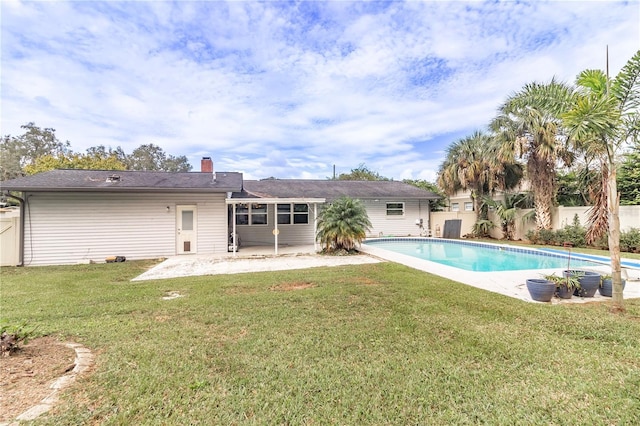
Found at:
(74, 216)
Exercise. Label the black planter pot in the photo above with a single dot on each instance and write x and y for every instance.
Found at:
(541, 290)
(563, 292)
(589, 282)
(607, 287)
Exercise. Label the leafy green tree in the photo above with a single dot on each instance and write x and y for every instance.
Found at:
(75, 161)
(16, 152)
(434, 205)
(342, 224)
(574, 186)
(361, 173)
(152, 157)
(467, 167)
(603, 119)
(507, 211)
(472, 163)
(529, 126)
(629, 178)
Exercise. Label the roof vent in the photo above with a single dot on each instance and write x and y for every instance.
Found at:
(113, 178)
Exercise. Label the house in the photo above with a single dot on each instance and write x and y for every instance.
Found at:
(73, 216)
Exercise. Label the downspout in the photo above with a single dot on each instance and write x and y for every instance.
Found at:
(22, 218)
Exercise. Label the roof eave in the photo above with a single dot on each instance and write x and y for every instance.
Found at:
(221, 190)
(275, 200)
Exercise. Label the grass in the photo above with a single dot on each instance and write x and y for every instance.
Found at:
(374, 344)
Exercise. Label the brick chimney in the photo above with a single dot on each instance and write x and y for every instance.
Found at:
(206, 165)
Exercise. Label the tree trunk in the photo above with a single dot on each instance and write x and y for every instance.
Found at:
(542, 177)
(613, 206)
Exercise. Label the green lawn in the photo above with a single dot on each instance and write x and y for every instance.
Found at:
(373, 344)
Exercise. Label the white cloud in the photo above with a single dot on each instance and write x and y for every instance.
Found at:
(289, 90)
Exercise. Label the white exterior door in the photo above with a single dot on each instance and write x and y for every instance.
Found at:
(186, 230)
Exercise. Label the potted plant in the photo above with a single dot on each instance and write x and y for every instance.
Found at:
(565, 286)
(606, 286)
(541, 290)
(589, 282)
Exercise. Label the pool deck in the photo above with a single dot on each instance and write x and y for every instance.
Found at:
(508, 283)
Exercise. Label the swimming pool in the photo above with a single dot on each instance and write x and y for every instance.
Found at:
(479, 257)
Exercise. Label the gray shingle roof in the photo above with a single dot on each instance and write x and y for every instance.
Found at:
(331, 189)
(129, 181)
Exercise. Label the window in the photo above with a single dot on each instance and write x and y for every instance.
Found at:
(468, 207)
(254, 214)
(395, 209)
(293, 213)
(455, 207)
(284, 214)
(242, 214)
(300, 213)
(258, 214)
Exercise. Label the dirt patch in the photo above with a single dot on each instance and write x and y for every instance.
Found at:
(295, 285)
(365, 281)
(26, 375)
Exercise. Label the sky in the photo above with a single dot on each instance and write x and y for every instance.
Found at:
(293, 89)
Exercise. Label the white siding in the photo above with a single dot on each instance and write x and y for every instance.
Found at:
(383, 225)
(67, 228)
(298, 234)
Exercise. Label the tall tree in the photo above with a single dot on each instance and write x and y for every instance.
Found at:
(467, 167)
(152, 157)
(16, 152)
(472, 164)
(75, 161)
(362, 172)
(603, 120)
(629, 178)
(528, 126)
(436, 204)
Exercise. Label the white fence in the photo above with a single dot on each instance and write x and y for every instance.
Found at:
(561, 216)
(9, 237)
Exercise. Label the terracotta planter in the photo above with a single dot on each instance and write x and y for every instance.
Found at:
(541, 290)
(607, 287)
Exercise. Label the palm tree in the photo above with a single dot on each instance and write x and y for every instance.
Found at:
(342, 224)
(471, 164)
(528, 126)
(507, 212)
(603, 119)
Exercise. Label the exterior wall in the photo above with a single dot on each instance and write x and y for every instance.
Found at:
(294, 234)
(438, 219)
(461, 197)
(382, 225)
(405, 225)
(561, 217)
(68, 228)
(629, 216)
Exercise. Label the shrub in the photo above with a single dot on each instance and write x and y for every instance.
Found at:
(546, 236)
(482, 228)
(532, 236)
(630, 240)
(12, 335)
(574, 234)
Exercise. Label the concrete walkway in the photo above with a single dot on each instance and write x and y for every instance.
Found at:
(252, 259)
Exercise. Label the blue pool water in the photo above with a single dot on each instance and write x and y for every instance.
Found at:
(477, 256)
